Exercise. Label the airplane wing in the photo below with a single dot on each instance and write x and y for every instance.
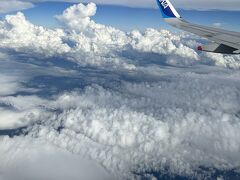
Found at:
(225, 42)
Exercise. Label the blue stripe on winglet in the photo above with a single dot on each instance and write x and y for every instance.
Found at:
(165, 9)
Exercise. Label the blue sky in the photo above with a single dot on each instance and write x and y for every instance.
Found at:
(127, 18)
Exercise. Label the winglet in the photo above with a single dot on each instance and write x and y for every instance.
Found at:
(167, 9)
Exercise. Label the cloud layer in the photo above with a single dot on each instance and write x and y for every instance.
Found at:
(183, 122)
(192, 4)
(126, 105)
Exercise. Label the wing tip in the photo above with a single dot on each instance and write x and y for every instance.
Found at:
(167, 9)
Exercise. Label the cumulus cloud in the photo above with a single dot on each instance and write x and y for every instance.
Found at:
(88, 43)
(135, 103)
(69, 16)
(21, 35)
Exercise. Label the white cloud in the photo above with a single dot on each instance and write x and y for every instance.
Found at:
(9, 85)
(38, 160)
(14, 5)
(15, 119)
(84, 41)
(146, 123)
(217, 24)
(10, 82)
(21, 35)
(82, 12)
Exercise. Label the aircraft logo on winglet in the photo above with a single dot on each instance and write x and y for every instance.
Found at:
(164, 3)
